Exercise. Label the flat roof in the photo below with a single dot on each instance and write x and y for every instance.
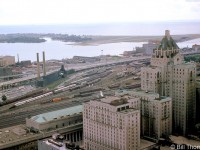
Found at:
(109, 99)
(15, 134)
(185, 64)
(142, 93)
(184, 140)
(57, 114)
(129, 110)
(114, 100)
(144, 144)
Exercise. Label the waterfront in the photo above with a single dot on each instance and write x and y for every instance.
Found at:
(60, 50)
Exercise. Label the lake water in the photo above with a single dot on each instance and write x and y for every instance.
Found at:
(143, 28)
(60, 50)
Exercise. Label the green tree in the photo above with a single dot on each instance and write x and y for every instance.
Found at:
(4, 98)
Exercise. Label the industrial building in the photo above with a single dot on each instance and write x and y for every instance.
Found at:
(111, 124)
(149, 47)
(170, 76)
(82, 59)
(146, 48)
(7, 60)
(196, 47)
(25, 63)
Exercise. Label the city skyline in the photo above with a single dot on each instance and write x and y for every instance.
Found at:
(90, 12)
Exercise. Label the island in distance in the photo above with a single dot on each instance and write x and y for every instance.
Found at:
(39, 38)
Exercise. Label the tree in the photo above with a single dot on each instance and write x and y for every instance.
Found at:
(62, 69)
(4, 98)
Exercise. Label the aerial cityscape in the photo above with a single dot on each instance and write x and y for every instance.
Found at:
(99, 75)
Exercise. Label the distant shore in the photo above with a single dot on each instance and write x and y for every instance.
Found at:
(87, 40)
(98, 40)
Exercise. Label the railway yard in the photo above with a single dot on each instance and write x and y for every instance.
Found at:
(76, 89)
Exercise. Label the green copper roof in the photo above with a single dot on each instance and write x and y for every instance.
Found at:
(168, 43)
(49, 116)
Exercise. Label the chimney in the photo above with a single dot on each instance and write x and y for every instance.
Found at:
(18, 58)
(44, 64)
(167, 34)
(38, 66)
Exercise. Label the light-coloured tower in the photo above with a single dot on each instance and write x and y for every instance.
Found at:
(111, 124)
(170, 76)
(155, 113)
(44, 64)
(38, 67)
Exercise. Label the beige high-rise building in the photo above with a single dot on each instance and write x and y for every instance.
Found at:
(170, 76)
(155, 112)
(111, 124)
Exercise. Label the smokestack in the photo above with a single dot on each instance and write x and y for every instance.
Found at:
(18, 58)
(44, 64)
(38, 66)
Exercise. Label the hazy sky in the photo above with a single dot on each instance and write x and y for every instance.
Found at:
(96, 11)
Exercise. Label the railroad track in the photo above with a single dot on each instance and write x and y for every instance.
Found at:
(17, 118)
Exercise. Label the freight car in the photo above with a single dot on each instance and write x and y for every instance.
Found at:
(25, 96)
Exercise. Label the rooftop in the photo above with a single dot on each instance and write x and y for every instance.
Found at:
(14, 134)
(168, 42)
(144, 94)
(129, 110)
(144, 144)
(113, 100)
(184, 140)
(6, 56)
(186, 65)
(57, 114)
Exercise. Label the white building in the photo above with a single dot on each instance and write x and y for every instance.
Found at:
(170, 76)
(111, 124)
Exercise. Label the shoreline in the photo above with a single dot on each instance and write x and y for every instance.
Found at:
(98, 40)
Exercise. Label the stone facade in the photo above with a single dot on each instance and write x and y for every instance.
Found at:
(155, 113)
(170, 76)
(111, 124)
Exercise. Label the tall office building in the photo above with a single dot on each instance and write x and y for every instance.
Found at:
(169, 75)
(156, 114)
(111, 124)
